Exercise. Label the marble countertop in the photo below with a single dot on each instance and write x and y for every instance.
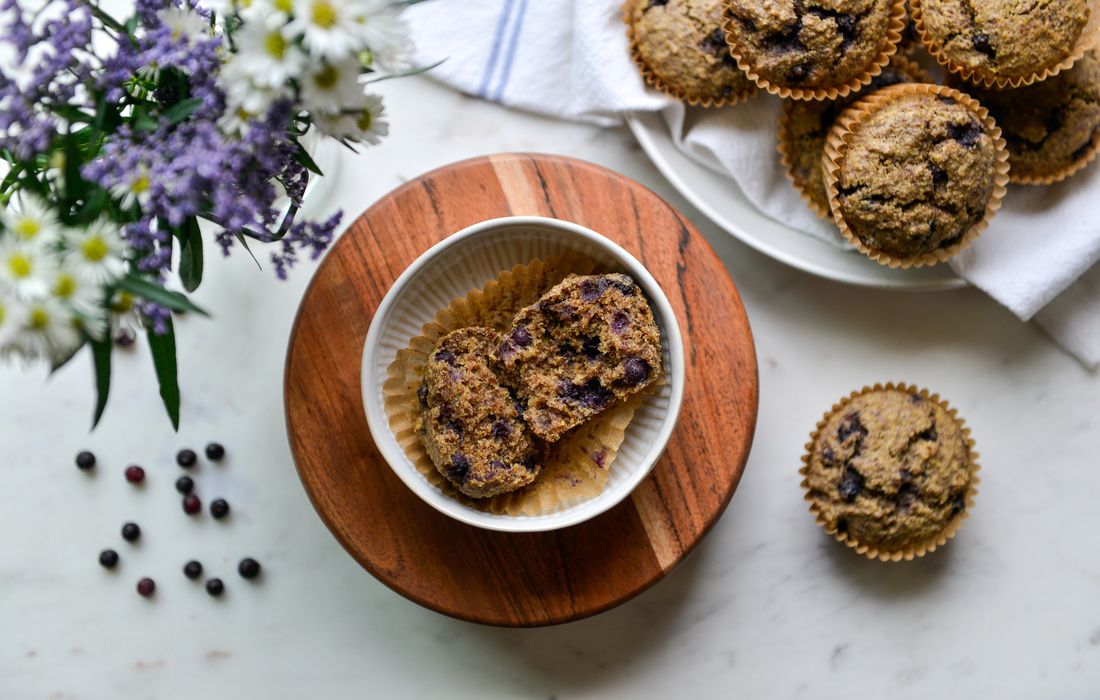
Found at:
(767, 606)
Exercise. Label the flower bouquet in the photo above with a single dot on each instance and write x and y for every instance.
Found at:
(119, 136)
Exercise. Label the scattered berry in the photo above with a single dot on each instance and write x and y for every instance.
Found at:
(249, 568)
(215, 451)
(215, 587)
(146, 587)
(192, 569)
(130, 532)
(125, 337)
(219, 508)
(191, 504)
(85, 460)
(184, 484)
(186, 458)
(108, 558)
(135, 474)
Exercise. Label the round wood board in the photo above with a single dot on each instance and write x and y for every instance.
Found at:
(523, 579)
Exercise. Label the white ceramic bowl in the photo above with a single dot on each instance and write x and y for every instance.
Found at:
(469, 259)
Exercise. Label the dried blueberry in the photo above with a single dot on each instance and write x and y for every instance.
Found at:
(635, 371)
(520, 336)
(531, 461)
(784, 41)
(215, 587)
(219, 508)
(968, 135)
(501, 429)
(620, 321)
(591, 290)
(184, 485)
(191, 504)
(215, 451)
(460, 467)
(85, 460)
(146, 587)
(848, 25)
(186, 458)
(134, 474)
(958, 504)
(592, 394)
(591, 347)
(656, 3)
(446, 356)
(851, 484)
(192, 569)
(108, 558)
(939, 175)
(930, 434)
(131, 532)
(249, 568)
(851, 425)
(497, 466)
(983, 44)
(828, 456)
(799, 73)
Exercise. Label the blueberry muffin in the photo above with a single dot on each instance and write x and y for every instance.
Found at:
(1052, 127)
(588, 342)
(1002, 40)
(469, 423)
(681, 49)
(915, 175)
(805, 125)
(890, 470)
(811, 44)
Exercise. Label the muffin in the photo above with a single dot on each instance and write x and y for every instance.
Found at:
(1052, 128)
(469, 423)
(588, 342)
(804, 125)
(1002, 42)
(681, 50)
(914, 172)
(891, 472)
(812, 49)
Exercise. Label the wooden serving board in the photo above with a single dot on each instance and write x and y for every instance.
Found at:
(500, 578)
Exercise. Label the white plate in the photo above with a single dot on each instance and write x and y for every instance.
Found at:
(721, 201)
(467, 260)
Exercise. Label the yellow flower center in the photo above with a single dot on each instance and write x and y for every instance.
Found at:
(123, 303)
(284, 5)
(57, 160)
(66, 285)
(39, 318)
(275, 44)
(140, 184)
(27, 227)
(326, 78)
(365, 120)
(2, 312)
(324, 14)
(94, 249)
(20, 266)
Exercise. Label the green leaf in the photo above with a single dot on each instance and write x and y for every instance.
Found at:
(244, 242)
(181, 110)
(303, 158)
(408, 73)
(71, 113)
(75, 185)
(101, 362)
(191, 255)
(142, 287)
(62, 361)
(164, 362)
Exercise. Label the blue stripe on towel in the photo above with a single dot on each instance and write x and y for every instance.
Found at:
(506, 12)
(511, 53)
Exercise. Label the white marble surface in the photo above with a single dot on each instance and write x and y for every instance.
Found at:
(766, 607)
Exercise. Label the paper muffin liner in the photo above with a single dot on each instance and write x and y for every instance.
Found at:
(836, 146)
(1089, 39)
(784, 145)
(911, 551)
(576, 467)
(655, 82)
(894, 27)
(1021, 178)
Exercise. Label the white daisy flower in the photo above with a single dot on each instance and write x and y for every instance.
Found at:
(265, 56)
(331, 87)
(49, 330)
(386, 34)
(271, 13)
(79, 294)
(30, 220)
(329, 28)
(184, 23)
(150, 72)
(26, 269)
(97, 254)
(364, 124)
(12, 317)
(134, 188)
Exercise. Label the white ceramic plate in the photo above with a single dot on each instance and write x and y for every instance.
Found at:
(721, 201)
(467, 260)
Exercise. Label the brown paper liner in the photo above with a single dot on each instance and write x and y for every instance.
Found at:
(894, 28)
(576, 467)
(1070, 170)
(903, 63)
(915, 550)
(655, 82)
(848, 123)
(1089, 39)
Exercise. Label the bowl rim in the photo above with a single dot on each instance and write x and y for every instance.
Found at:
(395, 457)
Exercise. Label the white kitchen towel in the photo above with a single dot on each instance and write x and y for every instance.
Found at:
(570, 58)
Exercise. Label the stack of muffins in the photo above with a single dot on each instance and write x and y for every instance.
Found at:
(910, 171)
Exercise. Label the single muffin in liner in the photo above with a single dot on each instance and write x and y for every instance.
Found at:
(914, 165)
(813, 49)
(891, 472)
(804, 126)
(1004, 44)
(1052, 128)
(680, 48)
(576, 468)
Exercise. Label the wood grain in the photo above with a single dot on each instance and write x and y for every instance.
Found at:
(501, 578)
